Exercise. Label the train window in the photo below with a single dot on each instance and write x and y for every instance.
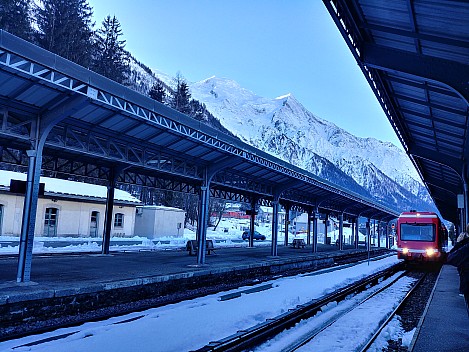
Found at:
(417, 232)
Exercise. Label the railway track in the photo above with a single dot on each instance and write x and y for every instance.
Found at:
(270, 328)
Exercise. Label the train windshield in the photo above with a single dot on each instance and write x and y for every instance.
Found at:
(417, 232)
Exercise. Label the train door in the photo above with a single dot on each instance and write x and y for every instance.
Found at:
(94, 224)
(50, 222)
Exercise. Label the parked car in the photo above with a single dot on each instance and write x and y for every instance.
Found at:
(257, 236)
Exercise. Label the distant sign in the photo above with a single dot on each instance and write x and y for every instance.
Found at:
(460, 201)
(19, 186)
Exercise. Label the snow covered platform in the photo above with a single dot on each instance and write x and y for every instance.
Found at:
(71, 284)
(445, 326)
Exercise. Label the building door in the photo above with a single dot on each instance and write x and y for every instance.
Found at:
(50, 222)
(94, 224)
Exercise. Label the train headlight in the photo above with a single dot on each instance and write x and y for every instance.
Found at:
(405, 250)
(431, 251)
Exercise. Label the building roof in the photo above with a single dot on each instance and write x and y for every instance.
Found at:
(66, 187)
(415, 56)
(97, 127)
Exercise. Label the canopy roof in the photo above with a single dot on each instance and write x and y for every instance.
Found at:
(415, 56)
(97, 126)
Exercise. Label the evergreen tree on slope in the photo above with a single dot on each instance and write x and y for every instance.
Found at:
(111, 59)
(15, 17)
(157, 92)
(181, 96)
(65, 28)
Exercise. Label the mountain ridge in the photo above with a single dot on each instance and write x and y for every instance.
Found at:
(283, 127)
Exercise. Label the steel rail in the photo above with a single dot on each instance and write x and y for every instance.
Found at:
(255, 335)
(312, 334)
(394, 312)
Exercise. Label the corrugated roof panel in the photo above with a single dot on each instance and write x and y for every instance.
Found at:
(451, 117)
(447, 52)
(417, 119)
(164, 139)
(422, 109)
(197, 151)
(444, 136)
(182, 145)
(387, 13)
(448, 18)
(406, 44)
(38, 95)
(142, 131)
(419, 138)
(444, 127)
(450, 100)
(408, 90)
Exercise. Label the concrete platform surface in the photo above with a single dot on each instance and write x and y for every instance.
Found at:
(446, 324)
(62, 275)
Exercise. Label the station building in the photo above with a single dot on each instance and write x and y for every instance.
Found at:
(66, 208)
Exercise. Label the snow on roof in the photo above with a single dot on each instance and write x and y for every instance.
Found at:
(55, 185)
(159, 207)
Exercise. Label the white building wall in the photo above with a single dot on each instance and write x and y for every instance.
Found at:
(74, 217)
(158, 221)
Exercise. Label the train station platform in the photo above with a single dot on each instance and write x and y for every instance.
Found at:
(69, 285)
(445, 325)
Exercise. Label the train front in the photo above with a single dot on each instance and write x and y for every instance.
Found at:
(418, 237)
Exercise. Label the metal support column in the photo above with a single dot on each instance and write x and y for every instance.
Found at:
(109, 211)
(40, 128)
(326, 219)
(465, 220)
(386, 234)
(315, 231)
(252, 219)
(379, 237)
(29, 215)
(287, 222)
(374, 231)
(368, 236)
(202, 222)
(341, 231)
(274, 249)
(357, 236)
(308, 228)
(352, 225)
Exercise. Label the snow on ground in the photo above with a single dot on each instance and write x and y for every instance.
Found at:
(191, 324)
(335, 338)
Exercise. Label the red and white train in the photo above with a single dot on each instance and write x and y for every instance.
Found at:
(421, 236)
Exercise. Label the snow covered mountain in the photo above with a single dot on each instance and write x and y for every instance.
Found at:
(285, 128)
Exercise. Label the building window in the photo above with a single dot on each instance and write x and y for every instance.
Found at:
(50, 222)
(119, 220)
(94, 224)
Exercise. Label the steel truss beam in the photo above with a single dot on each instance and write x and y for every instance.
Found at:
(241, 182)
(97, 143)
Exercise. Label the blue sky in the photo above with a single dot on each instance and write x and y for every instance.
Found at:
(270, 47)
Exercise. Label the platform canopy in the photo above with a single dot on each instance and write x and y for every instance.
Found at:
(91, 127)
(415, 56)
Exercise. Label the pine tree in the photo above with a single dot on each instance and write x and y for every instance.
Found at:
(181, 96)
(15, 17)
(111, 59)
(158, 92)
(65, 28)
